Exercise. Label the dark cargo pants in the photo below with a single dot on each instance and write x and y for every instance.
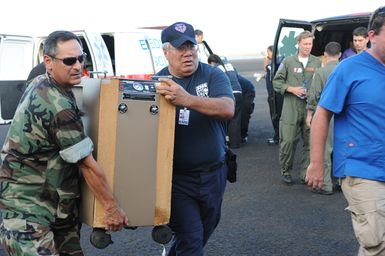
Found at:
(195, 209)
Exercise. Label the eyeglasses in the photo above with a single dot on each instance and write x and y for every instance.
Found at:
(70, 61)
(377, 13)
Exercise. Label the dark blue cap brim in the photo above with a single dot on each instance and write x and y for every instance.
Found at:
(178, 42)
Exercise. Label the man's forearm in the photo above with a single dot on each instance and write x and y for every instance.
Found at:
(221, 108)
(97, 182)
(318, 134)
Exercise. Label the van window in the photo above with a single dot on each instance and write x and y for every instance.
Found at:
(15, 61)
(100, 53)
(98, 59)
(287, 44)
(110, 43)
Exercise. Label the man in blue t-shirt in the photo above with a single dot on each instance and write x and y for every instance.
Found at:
(203, 98)
(354, 93)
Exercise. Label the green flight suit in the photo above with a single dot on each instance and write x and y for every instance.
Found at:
(313, 97)
(292, 123)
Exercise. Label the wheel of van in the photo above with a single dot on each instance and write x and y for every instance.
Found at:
(162, 234)
(100, 239)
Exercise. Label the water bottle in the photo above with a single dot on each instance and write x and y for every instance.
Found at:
(305, 88)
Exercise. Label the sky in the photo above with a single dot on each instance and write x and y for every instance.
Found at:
(234, 29)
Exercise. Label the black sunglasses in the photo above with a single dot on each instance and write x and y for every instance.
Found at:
(69, 61)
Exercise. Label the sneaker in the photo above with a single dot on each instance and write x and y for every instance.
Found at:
(326, 192)
(272, 141)
(323, 192)
(244, 139)
(286, 178)
(337, 187)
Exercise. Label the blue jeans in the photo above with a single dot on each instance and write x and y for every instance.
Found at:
(196, 202)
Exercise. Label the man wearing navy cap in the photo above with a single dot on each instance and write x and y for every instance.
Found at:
(203, 98)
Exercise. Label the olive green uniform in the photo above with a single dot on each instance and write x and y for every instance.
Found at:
(292, 123)
(314, 94)
(39, 176)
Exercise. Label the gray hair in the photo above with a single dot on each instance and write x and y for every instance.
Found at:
(166, 45)
(50, 44)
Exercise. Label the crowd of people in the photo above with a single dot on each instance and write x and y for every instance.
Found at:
(334, 104)
(46, 147)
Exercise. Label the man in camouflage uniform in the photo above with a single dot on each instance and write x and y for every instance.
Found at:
(44, 149)
(332, 54)
(293, 75)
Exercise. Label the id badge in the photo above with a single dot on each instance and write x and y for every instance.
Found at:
(184, 116)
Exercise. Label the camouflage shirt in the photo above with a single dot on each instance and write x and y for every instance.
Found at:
(39, 176)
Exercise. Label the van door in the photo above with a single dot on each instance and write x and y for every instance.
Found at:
(135, 54)
(132, 56)
(98, 58)
(16, 61)
(154, 44)
(285, 42)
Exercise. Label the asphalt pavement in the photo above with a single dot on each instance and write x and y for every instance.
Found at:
(261, 216)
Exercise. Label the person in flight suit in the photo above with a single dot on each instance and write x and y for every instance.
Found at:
(332, 54)
(293, 76)
(203, 99)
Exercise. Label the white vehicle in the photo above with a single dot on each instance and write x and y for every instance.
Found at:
(16, 62)
(136, 54)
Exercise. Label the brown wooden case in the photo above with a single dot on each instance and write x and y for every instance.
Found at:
(135, 149)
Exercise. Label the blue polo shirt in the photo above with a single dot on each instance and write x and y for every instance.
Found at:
(355, 93)
(201, 142)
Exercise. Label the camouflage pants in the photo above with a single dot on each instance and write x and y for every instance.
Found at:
(20, 237)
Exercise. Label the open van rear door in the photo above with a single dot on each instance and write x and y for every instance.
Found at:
(15, 64)
(155, 46)
(285, 42)
(135, 54)
(98, 59)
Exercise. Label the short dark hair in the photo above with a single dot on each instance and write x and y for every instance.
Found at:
(270, 47)
(377, 20)
(198, 32)
(360, 31)
(333, 49)
(50, 44)
(213, 58)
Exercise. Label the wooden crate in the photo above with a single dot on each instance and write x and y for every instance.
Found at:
(134, 148)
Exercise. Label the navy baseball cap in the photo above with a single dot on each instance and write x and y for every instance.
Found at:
(178, 33)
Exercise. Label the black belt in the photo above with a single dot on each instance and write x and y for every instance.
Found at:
(207, 168)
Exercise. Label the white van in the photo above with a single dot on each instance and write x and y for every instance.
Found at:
(16, 62)
(98, 58)
(135, 54)
(20, 53)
